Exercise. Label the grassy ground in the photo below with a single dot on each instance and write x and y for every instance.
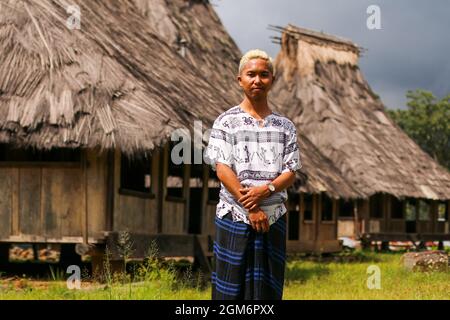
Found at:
(338, 277)
(344, 280)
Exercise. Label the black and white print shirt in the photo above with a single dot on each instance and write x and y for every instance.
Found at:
(258, 152)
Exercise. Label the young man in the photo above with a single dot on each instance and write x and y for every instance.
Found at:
(255, 153)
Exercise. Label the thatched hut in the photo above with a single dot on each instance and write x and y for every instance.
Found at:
(85, 116)
(195, 31)
(321, 88)
(312, 217)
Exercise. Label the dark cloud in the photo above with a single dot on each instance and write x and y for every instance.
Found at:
(410, 51)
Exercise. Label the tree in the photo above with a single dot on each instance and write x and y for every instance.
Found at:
(427, 122)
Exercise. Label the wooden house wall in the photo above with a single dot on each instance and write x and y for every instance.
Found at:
(387, 224)
(133, 212)
(443, 226)
(56, 202)
(52, 202)
(314, 235)
(158, 213)
(346, 227)
(209, 217)
(307, 231)
(175, 213)
(327, 230)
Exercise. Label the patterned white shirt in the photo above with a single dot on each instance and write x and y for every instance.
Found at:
(257, 152)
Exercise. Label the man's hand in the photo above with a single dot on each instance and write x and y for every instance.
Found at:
(252, 196)
(258, 220)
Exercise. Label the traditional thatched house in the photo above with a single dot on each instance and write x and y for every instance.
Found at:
(320, 87)
(73, 102)
(313, 206)
(84, 119)
(195, 31)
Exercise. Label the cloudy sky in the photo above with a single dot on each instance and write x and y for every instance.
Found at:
(410, 51)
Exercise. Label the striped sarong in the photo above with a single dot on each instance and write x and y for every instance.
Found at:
(247, 264)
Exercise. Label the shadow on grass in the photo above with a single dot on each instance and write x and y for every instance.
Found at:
(345, 256)
(302, 267)
(298, 272)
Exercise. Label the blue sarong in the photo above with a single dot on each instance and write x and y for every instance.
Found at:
(247, 264)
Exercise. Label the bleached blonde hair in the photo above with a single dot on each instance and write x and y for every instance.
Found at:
(255, 54)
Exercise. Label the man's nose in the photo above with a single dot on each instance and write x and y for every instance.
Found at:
(257, 79)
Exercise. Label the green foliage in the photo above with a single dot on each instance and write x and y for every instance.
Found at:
(427, 122)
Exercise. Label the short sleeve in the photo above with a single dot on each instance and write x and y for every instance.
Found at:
(291, 154)
(219, 149)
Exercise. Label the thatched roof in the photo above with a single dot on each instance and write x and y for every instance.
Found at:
(210, 49)
(193, 29)
(113, 83)
(134, 72)
(321, 174)
(321, 88)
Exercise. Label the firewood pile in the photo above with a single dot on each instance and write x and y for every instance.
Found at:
(25, 253)
(19, 253)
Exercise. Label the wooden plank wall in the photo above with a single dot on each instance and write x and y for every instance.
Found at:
(389, 225)
(208, 225)
(327, 230)
(307, 227)
(174, 213)
(96, 192)
(49, 202)
(136, 214)
(7, 205)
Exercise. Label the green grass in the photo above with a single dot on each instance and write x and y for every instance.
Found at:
(336, 280)
(305, 279)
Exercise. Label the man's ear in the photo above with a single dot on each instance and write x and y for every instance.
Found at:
(239, 80)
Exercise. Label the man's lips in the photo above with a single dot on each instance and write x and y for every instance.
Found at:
(261, 89)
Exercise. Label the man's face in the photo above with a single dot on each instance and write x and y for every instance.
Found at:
(256, 79)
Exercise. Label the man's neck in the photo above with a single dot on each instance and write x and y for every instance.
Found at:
(257, 108)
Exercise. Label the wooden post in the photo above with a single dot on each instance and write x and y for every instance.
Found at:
(117, 217)
(302, 207)
(160, 191)
(417, 217)
(317, 208)
(110, 163)
(387, 212)
(356, 232)
(85, 222)
(41, 204)
(162, 184)
(334, 215)
(186, 195)
(383, 226)
(15, 223)
(205, 189)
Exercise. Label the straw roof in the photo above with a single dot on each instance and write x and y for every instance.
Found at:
(194, 26)
(321, 88)
(319, 174)
(134, 72)
(193, 29)
(113, 83)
